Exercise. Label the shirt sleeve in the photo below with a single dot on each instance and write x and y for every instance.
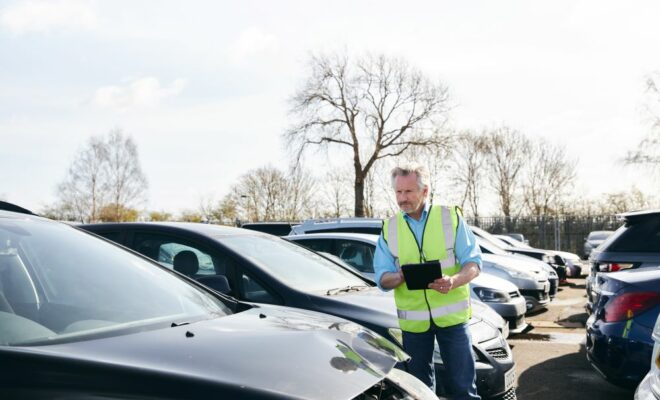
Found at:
(383, 262)
(467, 249)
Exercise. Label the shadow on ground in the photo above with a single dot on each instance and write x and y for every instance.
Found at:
(568, 377)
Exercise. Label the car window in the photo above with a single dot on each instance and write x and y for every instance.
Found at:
(324, 245)
(642, 237)
(294, 265)
(358, 254)
(189, 258)
(252, 290)
(60, 283)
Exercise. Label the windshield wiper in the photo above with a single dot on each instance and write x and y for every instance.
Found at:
(346, 289)
(175, 324)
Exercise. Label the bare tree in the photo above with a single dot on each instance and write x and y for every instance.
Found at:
(647, 153)
(508, 152)
(374, 106)
(335, 193)
(106, 173)
(470, 152)
(549, 175)
(299, 199)
(126, 182)
(268, 194)
(83, 192)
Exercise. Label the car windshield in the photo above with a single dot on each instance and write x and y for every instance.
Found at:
(489, 247)
(490, 238)
(60, 284)
(599, 235)
(292, 264)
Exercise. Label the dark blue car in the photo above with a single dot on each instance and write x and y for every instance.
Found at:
(619, 343)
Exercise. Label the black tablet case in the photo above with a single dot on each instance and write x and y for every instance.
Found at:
(418, 276)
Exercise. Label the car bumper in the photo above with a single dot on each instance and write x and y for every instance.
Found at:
(513, 312)
(536, 299)
(623, 361)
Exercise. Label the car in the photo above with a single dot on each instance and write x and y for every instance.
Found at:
(519, 237)
(84, 318)
(357, 249)
(263, 268)
(572, 260)
(531, 277)
(636, 244)
(355, 225)
(274, 228)
(547, 256)
(619, 340)
(593, 240)
(649, 388)
(487, 314)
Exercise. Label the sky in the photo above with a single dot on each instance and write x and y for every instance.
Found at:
(203, 87)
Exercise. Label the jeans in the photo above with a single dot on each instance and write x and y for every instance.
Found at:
(456, 349)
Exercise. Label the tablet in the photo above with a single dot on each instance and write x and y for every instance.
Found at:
(418, 276)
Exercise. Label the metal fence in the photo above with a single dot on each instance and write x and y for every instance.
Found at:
(566, 233)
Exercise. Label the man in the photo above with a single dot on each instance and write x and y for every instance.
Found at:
(422, 233)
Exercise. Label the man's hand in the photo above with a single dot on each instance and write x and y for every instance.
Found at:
(468, 272)
(443, 285)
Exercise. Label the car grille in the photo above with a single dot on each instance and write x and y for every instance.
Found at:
(537, 294)
(509, 395)
(499, 353)
(514, 294)
(383, 390)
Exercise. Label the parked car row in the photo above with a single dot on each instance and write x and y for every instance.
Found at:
(83, 318)
(261, 268)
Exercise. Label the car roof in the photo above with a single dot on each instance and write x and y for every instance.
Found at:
(634, 217)
(203, 229)
(336, 235)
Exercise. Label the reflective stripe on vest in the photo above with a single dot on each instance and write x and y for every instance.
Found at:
(416, 308)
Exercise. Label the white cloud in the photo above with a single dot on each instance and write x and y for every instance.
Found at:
(144, 92)
(43, 16)
(252, 42)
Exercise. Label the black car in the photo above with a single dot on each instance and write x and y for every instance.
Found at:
(619, 341)
(636, 244)
(82, 318)
(267, 269)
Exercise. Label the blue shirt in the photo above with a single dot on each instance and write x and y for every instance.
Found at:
(466, 248)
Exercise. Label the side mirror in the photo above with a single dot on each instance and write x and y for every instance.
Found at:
(219, 283)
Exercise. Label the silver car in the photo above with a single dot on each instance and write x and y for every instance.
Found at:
(357, 250)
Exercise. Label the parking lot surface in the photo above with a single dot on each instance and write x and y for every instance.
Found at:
(551, 362)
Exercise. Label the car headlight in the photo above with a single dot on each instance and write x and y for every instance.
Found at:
(519, 274)
(491, 295)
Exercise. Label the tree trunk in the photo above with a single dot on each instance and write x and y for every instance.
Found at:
(359, 194)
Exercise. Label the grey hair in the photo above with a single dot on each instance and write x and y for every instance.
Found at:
(419, 170)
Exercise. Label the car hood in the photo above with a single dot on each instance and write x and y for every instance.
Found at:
(514, 262)
(272, 349)
(491, 281)
(373, 306)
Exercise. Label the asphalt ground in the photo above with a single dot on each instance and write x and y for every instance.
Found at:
(551, 361)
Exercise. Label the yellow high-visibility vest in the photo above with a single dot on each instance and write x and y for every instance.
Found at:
(416, 308)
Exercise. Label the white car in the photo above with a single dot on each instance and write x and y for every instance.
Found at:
(649, 388)
(357, 250)
(573, 261)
